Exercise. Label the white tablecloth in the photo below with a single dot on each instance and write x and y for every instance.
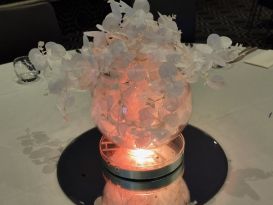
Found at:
(33, 134)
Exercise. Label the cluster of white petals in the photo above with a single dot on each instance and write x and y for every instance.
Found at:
(138, 72)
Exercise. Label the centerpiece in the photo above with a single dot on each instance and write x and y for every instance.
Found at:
(138, 73)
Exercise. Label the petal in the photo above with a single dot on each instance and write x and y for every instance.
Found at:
(55, 49)
(111, 21)
(87, 47)
(226, 41)
(116, 9)
(214, 41)
(37, 59)
(142, 4)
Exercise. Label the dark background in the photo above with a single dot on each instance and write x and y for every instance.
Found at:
(201, 17)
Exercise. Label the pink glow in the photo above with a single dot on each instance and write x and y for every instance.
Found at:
(134, 107)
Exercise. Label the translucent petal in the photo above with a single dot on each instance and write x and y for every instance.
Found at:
(54, 62)
(100, 27)
(41, 44)
(87, 47)
(226, 41)
(37, 59)
(125, 8)
(167, 70)
(167, 22)
(142, 4)
(86, 42)
(55, 50)
(214, 41)
(116, 9)
(111, 22)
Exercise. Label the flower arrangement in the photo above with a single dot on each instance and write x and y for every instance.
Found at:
(138, 72)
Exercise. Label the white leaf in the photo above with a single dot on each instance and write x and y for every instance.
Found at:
(37, 59)
(111, 22)
(87, 48)
(86, 42)
(100, 27)
(125, 8)
(226, 41)
(116, 9)
(55, 50)
(167, 22)
(142, 4)
(41, 44)
(214, 41)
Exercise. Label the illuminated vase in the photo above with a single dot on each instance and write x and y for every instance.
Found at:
(151, 162)
(141, 117)
(141, 114)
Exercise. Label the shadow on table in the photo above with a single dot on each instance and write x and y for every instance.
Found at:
(239, 181)
(42, 150)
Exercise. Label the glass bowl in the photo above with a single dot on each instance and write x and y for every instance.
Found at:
(25, 70)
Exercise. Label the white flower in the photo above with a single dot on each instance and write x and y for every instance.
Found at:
(136, 68)
(216, 52)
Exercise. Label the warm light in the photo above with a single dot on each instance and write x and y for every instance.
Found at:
(142, 156)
